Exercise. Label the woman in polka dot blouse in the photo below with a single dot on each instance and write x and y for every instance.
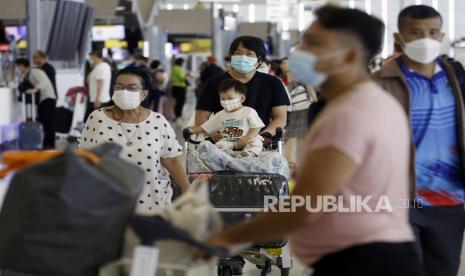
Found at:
(147, 139)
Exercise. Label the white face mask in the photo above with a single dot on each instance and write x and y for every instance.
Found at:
(230, 105)
(126, 100)
(424, 50)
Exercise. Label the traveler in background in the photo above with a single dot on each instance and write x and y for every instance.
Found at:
(114, 70)
(274, 66)
(99, 82)
(179, 83)
(130, 61)
(146, 137)
(358, 147)
(209, 70)
(87, 70)
(198, 81)
(427, 87)
(158, 79)
(39, 58)
(158, 75)
(283, 71)
(143, 62)
(265, 93)
(47, 103)
(302, 96)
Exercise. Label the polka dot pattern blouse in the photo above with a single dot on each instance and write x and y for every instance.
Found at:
(143, 145)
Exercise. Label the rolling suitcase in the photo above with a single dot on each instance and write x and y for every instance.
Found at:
(30, 131)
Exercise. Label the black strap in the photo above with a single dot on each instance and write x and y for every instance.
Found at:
(459, 74)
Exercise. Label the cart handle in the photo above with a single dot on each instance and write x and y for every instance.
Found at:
(187, 136)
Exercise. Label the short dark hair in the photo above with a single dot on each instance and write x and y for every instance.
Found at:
(252, 43)
(155, 64)
(96, 52)
(227, 84)
(23, 61)
(368, 29)
(143, 58)
(179, 61)
(417, 12)
(146, 80)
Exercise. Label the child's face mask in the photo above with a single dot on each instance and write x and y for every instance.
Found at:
(230, 105)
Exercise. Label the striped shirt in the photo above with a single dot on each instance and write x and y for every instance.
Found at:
(433, 114)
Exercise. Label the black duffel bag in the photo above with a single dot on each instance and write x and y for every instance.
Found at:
(67, 216)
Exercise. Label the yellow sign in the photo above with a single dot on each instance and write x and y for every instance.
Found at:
(274, 251)
(116, 44)
(201, 45)
(186, 47)
(22, 44)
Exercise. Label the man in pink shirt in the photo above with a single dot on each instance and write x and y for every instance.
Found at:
(356, 151)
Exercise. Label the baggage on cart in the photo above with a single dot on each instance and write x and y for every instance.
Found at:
(65, 212)
(240, 196)
(70, 118)
(174, 234)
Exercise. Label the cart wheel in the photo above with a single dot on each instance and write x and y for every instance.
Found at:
(225, 271)
(285, 271)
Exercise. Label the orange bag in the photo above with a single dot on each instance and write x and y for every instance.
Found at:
(15, 160)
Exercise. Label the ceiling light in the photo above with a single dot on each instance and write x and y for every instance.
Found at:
(252, 13)
(220, 1)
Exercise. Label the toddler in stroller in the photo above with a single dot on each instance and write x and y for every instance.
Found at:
(236, 127)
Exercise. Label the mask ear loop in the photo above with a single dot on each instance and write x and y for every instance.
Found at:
(260, 63)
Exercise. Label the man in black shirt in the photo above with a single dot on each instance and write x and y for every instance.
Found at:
(265, 93)
(40, 60)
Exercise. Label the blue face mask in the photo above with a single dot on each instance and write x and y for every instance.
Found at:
(243, 64)
(302, 67)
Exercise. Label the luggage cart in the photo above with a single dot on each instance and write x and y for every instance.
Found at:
(76, 104)
(239, 197)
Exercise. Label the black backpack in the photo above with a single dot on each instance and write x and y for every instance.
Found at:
(67, 217)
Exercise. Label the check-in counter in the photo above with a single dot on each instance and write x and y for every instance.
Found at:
(8, 113)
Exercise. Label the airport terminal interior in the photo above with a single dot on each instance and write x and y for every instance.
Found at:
(232, 137)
